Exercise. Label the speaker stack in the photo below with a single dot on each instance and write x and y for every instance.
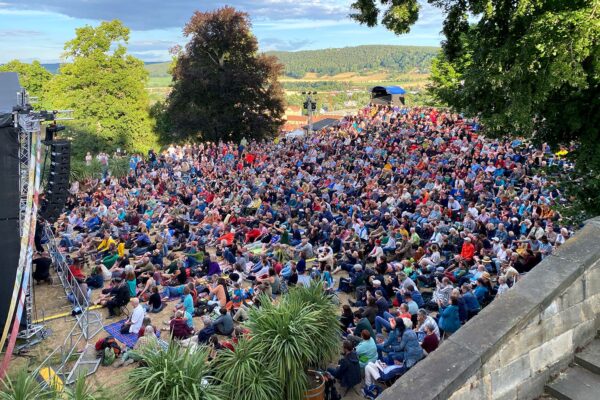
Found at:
(57, 187)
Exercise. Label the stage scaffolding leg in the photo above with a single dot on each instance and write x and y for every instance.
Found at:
(29, 175)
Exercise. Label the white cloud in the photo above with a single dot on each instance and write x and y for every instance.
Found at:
(285, 25)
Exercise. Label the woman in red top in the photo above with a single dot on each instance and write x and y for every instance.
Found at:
(468, 250)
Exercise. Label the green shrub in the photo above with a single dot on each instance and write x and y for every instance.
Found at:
(172, 374)
(290, 337)
(24, 387)
(243, 375)
(82, 391)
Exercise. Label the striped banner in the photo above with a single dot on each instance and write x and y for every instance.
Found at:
(26, 255)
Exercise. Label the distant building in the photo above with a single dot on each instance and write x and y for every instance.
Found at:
(293, 110)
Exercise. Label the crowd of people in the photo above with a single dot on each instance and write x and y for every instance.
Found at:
(411, 218)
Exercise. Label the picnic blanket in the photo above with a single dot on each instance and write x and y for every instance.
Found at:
(129, 339)
(114, 330)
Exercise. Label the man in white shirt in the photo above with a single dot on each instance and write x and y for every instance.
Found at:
(137, 316)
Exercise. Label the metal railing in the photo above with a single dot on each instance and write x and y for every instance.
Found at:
(80, 300)
(61, 360)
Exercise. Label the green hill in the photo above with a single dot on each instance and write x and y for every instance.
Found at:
(359, 59)
(158, 69)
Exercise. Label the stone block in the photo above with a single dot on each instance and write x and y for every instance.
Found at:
(548, 280)
(506, 379)
(585, 332)
(551, 310)
(592, 281)
(533, 386)
(473, 389)
(594, 303)
(511, 394)
(574, 294)
(551, 352)
(449, 367)
(566, 320)
(498, 322)
(521, 343)
(493, 363)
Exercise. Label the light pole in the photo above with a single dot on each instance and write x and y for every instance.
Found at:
(310, 105)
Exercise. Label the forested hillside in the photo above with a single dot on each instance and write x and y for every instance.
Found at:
(357, 59)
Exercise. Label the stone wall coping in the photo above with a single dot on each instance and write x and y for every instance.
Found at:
(462, 354)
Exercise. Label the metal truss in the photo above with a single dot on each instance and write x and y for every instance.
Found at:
(27, 124)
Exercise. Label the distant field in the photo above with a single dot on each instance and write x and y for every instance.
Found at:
(338, 86)
(337, 72)
(159, 81)
(344, 76)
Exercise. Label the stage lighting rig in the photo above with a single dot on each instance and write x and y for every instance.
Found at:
(310, 105)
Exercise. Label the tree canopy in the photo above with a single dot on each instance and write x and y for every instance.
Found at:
(33, 77)
(105, 87)
(222, 87)
(526, 68)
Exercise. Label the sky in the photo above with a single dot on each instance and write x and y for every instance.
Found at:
(37, 29)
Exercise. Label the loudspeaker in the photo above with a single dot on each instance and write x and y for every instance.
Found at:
(9, 216)
(57, 188)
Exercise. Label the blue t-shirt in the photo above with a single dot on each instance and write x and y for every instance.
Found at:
(188, 304)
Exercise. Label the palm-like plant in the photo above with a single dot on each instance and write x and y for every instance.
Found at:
(119, 167)
(173, 374)
(316, 298)
(299, 332)
(81, 390)
(24, 387)
(243, 375)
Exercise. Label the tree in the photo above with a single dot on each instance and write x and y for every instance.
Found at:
(526, 68)
(222, 87)
(398, 15)
(33, 77)
(106, 89)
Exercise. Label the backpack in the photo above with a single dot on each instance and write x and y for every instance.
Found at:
(108, 357)
(331, 392)
(108, 342)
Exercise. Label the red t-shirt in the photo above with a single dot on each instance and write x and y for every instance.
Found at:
(430, 343)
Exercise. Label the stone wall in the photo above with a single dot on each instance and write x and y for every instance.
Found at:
(513, 346)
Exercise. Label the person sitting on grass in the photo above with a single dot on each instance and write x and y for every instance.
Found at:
(179, 327)
(348, 369)
(367, 349)
(155, 303)
(224, 323)
(148, 341)
(117, 297)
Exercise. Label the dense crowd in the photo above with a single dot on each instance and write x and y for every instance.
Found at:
(412, 220)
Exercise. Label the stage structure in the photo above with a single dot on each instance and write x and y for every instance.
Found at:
(20, 160)
(388, 95)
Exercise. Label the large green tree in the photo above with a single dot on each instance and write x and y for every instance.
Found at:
(222, 87)
(526, 68)
(33, 77)
(105, 87)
